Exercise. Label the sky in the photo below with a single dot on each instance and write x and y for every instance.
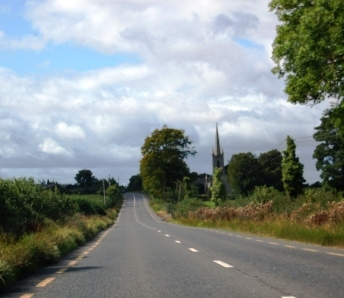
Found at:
(84, 82)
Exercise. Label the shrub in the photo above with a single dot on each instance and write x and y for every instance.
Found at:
(88, 206)
(263, 194)
(186, 205)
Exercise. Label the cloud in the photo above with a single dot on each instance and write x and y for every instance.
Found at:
(200, 64)
(51, 147)
(69, 132)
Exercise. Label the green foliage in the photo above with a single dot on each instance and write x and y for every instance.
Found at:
(244, 173)
(309, 48)
(85, 178)
(24, 205)
(186, 205)
(217, 188)
(162, 164)
(263, 194)
(114, 196)
(88, 206)
(135, 183)
(330, 152)
(292, 170)
(271, 168)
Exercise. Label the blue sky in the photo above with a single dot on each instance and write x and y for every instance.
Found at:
(54, 59)
(82, 83)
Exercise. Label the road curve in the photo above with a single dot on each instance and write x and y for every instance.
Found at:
(141, 256)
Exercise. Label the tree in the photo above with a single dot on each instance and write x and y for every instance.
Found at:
(162, 164)
(292, 170)
(244, 173)
(217, 188)
(85, 178)
(271, 169)
(309, 48)
(135, 183)
(330, 152)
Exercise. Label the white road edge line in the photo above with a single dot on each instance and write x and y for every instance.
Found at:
(223, 264)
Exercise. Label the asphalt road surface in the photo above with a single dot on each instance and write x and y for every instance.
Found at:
(142, 256)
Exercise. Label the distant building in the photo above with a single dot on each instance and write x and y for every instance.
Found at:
(218, 154)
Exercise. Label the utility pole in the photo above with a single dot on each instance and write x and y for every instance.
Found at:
(104, 190)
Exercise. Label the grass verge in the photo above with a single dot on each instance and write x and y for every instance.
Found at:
(19, 257)
(328, 236)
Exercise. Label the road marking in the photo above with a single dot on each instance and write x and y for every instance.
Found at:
(248, 238)
(71, 263)
(273, 243)
(62, 270)
(194, 250)
(308, 249)
(334, 254)
(288, 297)
(259, 240)
(223, 264)
(85, 252)
(238, 236)
(94, 246)
(159, 231)
(45, 282)
(167, 235)
(230, 234)
(79, 257)
(28, 295)
(290, 246)
(178, 241)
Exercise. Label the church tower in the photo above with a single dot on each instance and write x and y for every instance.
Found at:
(218, 155)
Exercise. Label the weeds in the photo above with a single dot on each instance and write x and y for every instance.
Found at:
(316, 217)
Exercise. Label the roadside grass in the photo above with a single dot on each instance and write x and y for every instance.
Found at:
(317, 216)
(19, 257)
(38, 226)
(327, 236)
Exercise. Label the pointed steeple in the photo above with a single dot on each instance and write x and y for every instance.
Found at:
(218, 154)
(217, 149)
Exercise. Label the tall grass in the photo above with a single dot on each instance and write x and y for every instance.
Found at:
(317, 216)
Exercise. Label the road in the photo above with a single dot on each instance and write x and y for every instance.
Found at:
(142, 256)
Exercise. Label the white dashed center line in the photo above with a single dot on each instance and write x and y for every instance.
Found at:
(167, 235)
(223, 264)
(177, 241)
(194, 250)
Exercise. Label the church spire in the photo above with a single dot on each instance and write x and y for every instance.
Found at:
(218, 156)
(217, 149)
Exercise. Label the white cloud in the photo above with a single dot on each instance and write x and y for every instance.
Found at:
(51, 147)
(65, 131)
(198, 68)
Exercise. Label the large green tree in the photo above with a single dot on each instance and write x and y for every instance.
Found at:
(85, 178)
(271, 168)
(135, 183)
(244, 173)
(309, 49)
(292, 170)
(330, 152)
(162, 164)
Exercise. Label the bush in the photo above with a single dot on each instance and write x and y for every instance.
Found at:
(263, 194)
(25, 205)
(186, 205)
(88, 206)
